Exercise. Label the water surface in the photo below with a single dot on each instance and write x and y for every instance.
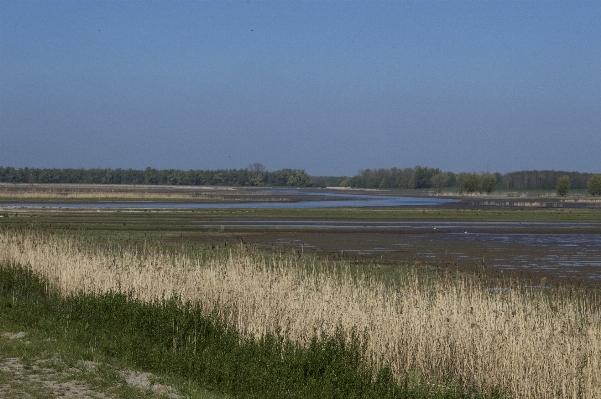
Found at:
(313, 200)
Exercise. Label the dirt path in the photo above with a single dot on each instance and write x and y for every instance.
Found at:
(31, 367)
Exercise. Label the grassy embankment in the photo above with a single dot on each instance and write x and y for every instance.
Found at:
(262, 326)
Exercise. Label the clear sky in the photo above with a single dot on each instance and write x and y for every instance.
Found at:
(331, 87)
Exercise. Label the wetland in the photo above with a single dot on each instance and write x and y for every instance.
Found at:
(485, 294)
(544, 239)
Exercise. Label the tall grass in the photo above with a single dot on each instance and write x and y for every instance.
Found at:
(61, 195)
(450, 328)
(91, 192)
(172, 338)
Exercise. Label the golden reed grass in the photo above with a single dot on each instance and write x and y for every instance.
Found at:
(64, 192)
(446, 327)
(111, 192)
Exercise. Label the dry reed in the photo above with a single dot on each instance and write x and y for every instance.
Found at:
(62, 194)
(74, 192)
(449, 327)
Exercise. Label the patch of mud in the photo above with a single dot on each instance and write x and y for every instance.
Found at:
(567, 253)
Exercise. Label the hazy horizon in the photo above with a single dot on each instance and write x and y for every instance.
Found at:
(328, 87)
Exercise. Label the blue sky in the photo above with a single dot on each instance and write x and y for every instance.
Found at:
(331, 87)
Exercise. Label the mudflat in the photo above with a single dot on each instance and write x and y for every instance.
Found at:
(543, 238)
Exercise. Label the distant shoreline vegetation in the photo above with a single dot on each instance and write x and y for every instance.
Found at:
(151, 176)
(394, 178)
(433, 178)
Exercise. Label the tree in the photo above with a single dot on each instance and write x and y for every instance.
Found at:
(257, 167)
(151, 176)
(563, 185)
(439, 181)
(472, 183)
(593, 186)
(489, 183)
(421, 177)
(460, 182)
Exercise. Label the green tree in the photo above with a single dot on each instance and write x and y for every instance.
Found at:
(593, 186)
(439, 180)
(489, 183)
(563, 185)
(472, 183)
(421, 177)
(151, 176)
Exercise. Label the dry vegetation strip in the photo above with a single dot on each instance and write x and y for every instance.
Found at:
(61, 193)
(127, 193)
(532, 344)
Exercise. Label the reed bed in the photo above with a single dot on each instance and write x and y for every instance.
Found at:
(529, 343)
(73, 194)
(132, 193)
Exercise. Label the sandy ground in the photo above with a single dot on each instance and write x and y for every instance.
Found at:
(45, 374)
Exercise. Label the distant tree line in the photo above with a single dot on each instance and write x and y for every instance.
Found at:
(433, 178)
(408, 178)
(257, 175)
(254, 175)
(543, 180)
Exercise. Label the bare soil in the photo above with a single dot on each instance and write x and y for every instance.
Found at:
(34, 368)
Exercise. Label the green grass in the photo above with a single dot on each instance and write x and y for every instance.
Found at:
(49, 363)
(198, 353)
(63, 364)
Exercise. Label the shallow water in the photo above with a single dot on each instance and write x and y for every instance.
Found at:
(559, 249)
(313, 200)
(569, 250)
